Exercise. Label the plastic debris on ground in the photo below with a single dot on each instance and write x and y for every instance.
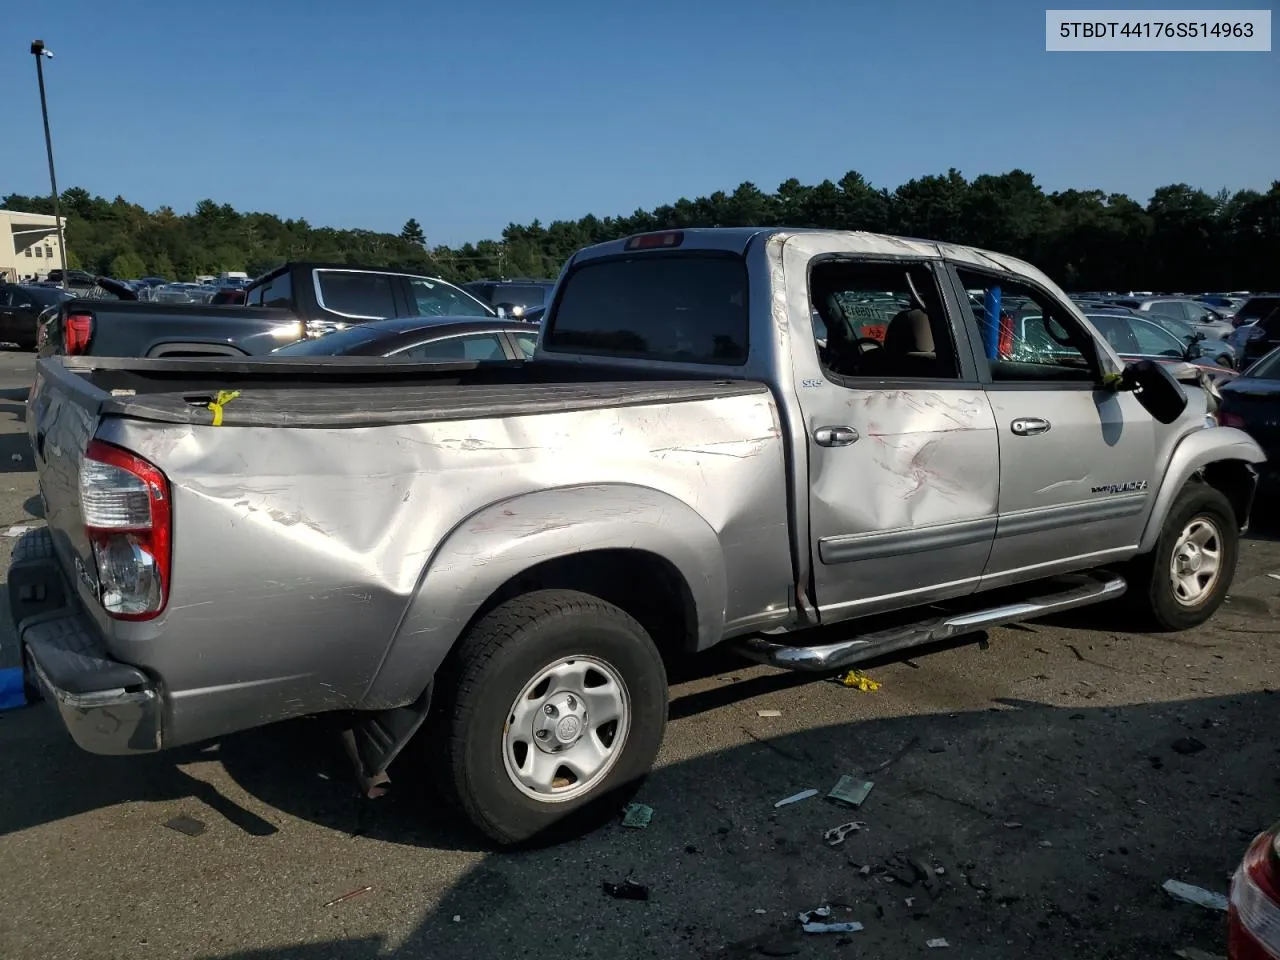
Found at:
(796, 798)
(626, 890)
(12, 693)
(819, 921)
(850, 791)
(768, 713)
(1201, 897)
(348, 896)
(637, 816)
(857, 680)
(937, 943)
(837, 835)
(188, 825)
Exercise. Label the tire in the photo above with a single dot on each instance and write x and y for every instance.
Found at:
(1152, 593)
(483, 690)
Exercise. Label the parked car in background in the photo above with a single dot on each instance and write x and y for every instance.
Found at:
(1262, 335)
(419, 339)
(512, 298)
(20, 309)
(290, 302)
(1136, 338)
(1255, 308)
(1223, 304)
(228, 296)
(1201, 317)
(75, 278)
(1253, 913)
(1251, 402)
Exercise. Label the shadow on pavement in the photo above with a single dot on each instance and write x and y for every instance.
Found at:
(15, 445)
(1053, 829)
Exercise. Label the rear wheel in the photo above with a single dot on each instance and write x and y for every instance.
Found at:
(555, 708)
(1184, 580)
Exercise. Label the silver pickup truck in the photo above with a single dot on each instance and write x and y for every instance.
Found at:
(816, 446)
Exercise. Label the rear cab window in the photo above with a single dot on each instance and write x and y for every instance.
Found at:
(352, 293)
(678, 308)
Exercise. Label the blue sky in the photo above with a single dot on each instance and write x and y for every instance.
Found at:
(365, 114)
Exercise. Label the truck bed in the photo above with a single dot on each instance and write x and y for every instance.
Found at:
(360, 392)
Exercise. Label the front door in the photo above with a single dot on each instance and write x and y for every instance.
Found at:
(902, 449)
(1077, 460)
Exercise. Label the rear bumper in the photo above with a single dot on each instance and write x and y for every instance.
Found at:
(108, 707)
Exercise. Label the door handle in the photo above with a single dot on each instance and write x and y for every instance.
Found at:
(1029, 426)
(835, 436)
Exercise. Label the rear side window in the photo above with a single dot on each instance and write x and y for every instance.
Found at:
(356, 294)
(680, 309)
(278, 292)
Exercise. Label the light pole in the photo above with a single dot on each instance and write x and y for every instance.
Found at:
(39, 51)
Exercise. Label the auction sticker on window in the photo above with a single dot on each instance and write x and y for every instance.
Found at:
(1178, 31)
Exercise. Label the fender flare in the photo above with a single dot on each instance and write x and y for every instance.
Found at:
(1192, 454)
(506, 538)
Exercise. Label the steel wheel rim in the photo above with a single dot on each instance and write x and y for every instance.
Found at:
(566, 729)
(1196, 563)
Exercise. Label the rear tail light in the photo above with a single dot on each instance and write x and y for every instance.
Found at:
(1227, 419)
(77, 332)
(128, 520)
(1254, 916)
(655, 241)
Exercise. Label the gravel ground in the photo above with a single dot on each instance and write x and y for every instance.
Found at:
(1033, 782)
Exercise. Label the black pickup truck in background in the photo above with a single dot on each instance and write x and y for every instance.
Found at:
(290, 303)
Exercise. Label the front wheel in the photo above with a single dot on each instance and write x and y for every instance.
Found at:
(1184, 580)
(551, 715)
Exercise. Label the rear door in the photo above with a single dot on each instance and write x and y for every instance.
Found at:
(1077, 461)
(903, 456)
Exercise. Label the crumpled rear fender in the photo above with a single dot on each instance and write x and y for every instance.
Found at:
(1193, 453)
(507, 538)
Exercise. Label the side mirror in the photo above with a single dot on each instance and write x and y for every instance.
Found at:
(1156, 389)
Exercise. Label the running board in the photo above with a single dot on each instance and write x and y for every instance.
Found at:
(1087, 589)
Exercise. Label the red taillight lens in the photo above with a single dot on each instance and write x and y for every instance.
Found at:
(77, 331)
(654, 241)
(1228, 419)
(1254, 917)
(129, 523)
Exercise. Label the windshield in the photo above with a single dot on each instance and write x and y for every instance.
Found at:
(681, 309)
(435, 298)
(331, 345)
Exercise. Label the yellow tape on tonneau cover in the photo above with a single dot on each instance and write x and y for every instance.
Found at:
(223, 397)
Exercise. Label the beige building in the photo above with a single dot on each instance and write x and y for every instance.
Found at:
(28, 245)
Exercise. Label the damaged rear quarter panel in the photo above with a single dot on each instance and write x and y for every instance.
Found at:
(297, 552)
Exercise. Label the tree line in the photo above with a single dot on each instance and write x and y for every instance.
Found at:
(1183, 238)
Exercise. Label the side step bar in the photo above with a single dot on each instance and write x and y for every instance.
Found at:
(1087, 589)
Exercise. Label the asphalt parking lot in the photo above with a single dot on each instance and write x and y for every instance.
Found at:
(1048, 781)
